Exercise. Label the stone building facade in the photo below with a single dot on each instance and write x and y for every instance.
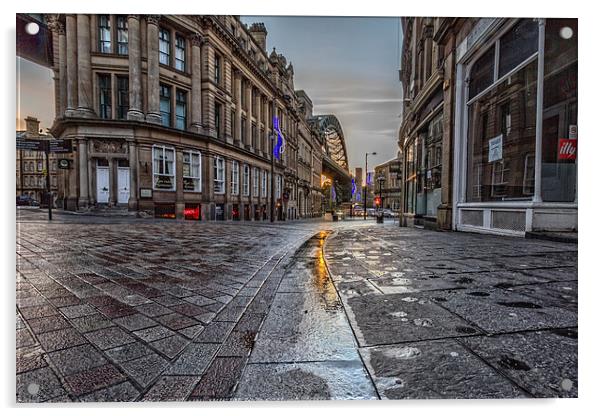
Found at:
(174, 115)
(31, 165)
(391, 185)
(489, 130)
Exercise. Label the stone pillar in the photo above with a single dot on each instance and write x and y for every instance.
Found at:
(58, 31)
(208, 58)
(266, 125)
(71, 61)
(153, 114)
(82, 166)
(238, 113)
(257, 144)
(248, 92)
(112, 182)
(179, 185)
(196, 125)
(135, 69)
(133, 161)
(84, 68)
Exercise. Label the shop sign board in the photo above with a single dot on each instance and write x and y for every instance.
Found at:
(495, 148)
(567, 149)
(64, 163)
(146, 193)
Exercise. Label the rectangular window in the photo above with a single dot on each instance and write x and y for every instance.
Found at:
(123, 97)
(278, 186)
(104, 95)
(482, 73)
(245, 180)
(164, 168)
(500, 134)
(180, 53)
(165, 104)
(219, 175)
(255, 181)
(122, 35)
(218, 70)
(164, 46)
(191, 171)
(104, 33)
(518, 44)
(243, 130)
(181, 109)
(234, 180)
(264, 183)
(218, 119)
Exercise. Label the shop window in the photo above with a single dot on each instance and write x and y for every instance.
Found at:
(164, 168)
(192, 212)
(517, 45)
(165, 211)
(500, 134)
(191, 171)
(264, 183)
(559, 138)
(255, 181)
(219, 175)
(235, 212)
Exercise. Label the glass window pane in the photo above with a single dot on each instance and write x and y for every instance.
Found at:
(559, 138)
(517, 45)
(496, 168)
(481, 73)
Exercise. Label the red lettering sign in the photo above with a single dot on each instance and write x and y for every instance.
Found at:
(567, 149)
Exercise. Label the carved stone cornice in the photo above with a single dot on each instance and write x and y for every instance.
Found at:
(134, 16)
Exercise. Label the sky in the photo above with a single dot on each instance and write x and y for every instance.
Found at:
(347, 65)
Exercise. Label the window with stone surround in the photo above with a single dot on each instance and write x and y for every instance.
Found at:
(245, 180)
(123, 98)
(191, 171)
(164, 46)
(219, 175)
(234, 180)
(104, 96)
(165, 104)
(122, 35)
(104, 33)
(181, 109)
(180, 53)
(255, 181)
(164, 168)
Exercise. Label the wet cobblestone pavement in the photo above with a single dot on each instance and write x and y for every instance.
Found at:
(147, 310)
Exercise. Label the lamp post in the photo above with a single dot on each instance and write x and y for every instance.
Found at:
(366, 184)
(380, 215)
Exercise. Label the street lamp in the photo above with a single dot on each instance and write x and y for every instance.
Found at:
(380, 215)
(366, 184)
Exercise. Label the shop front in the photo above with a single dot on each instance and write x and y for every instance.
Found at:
(515, 167)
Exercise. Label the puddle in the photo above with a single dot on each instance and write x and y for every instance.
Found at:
(525, 305)
(512, 364)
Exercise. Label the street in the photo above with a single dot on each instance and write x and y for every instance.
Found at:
(126, 309)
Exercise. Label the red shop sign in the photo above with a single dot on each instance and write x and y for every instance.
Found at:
(567, 149)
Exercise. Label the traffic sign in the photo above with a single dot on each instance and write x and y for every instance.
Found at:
(28, 144)
(60, 146)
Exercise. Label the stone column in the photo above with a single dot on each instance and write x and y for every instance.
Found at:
(133, 155)
(153, 114)
(82, 150)
(208, 58)
(71, 61)
(257, 144)
(266, 125)
(58, 31)
(196, 112)
(135, 69)
(238, 113)
(112, 182)
(84, 68)
(248, 92)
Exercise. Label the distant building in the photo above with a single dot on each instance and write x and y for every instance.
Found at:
(391, 186)
(31, 165)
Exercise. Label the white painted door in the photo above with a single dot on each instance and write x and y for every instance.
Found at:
(102, 185)
(123, 185)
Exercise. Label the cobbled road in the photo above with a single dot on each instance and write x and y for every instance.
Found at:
(122, 309)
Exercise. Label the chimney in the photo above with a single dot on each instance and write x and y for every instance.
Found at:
(32, 126)
(260, 34)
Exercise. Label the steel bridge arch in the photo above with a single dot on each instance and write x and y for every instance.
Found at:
(333, 138)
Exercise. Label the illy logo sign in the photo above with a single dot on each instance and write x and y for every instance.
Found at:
(567, 149)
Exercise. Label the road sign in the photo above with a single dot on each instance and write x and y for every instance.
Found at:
(61, 146)
(28, 144)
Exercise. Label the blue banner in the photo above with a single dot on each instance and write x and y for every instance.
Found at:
(279, 140)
